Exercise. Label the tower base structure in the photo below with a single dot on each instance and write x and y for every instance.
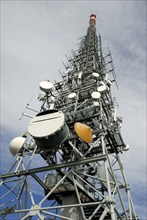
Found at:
(73, 212)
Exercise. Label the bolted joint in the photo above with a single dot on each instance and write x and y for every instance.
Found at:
(34, 210)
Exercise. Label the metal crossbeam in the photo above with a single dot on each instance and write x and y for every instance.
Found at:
(55, 167)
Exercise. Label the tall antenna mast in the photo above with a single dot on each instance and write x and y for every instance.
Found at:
(77, 133)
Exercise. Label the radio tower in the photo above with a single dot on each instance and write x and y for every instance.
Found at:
(76, 132)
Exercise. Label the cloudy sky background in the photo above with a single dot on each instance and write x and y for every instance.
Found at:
(36, 35)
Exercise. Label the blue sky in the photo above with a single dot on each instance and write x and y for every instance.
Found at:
(36, 35)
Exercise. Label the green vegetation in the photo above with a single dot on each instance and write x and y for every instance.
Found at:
(6, 211)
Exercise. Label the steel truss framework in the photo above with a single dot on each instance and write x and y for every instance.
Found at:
(81, 180)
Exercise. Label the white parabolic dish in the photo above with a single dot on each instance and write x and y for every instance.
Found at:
(16, 144)
(46, 125)
(72, 95)
(95, 95)
(95, 74)
(46, 86)
(96, 104)
(102, 87)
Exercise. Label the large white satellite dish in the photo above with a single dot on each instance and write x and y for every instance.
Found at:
(46, 86)
(95, 95)
(48, 128)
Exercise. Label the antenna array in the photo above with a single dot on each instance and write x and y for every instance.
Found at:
(77, 133)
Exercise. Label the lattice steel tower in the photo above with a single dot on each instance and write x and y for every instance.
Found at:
(77, 133)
